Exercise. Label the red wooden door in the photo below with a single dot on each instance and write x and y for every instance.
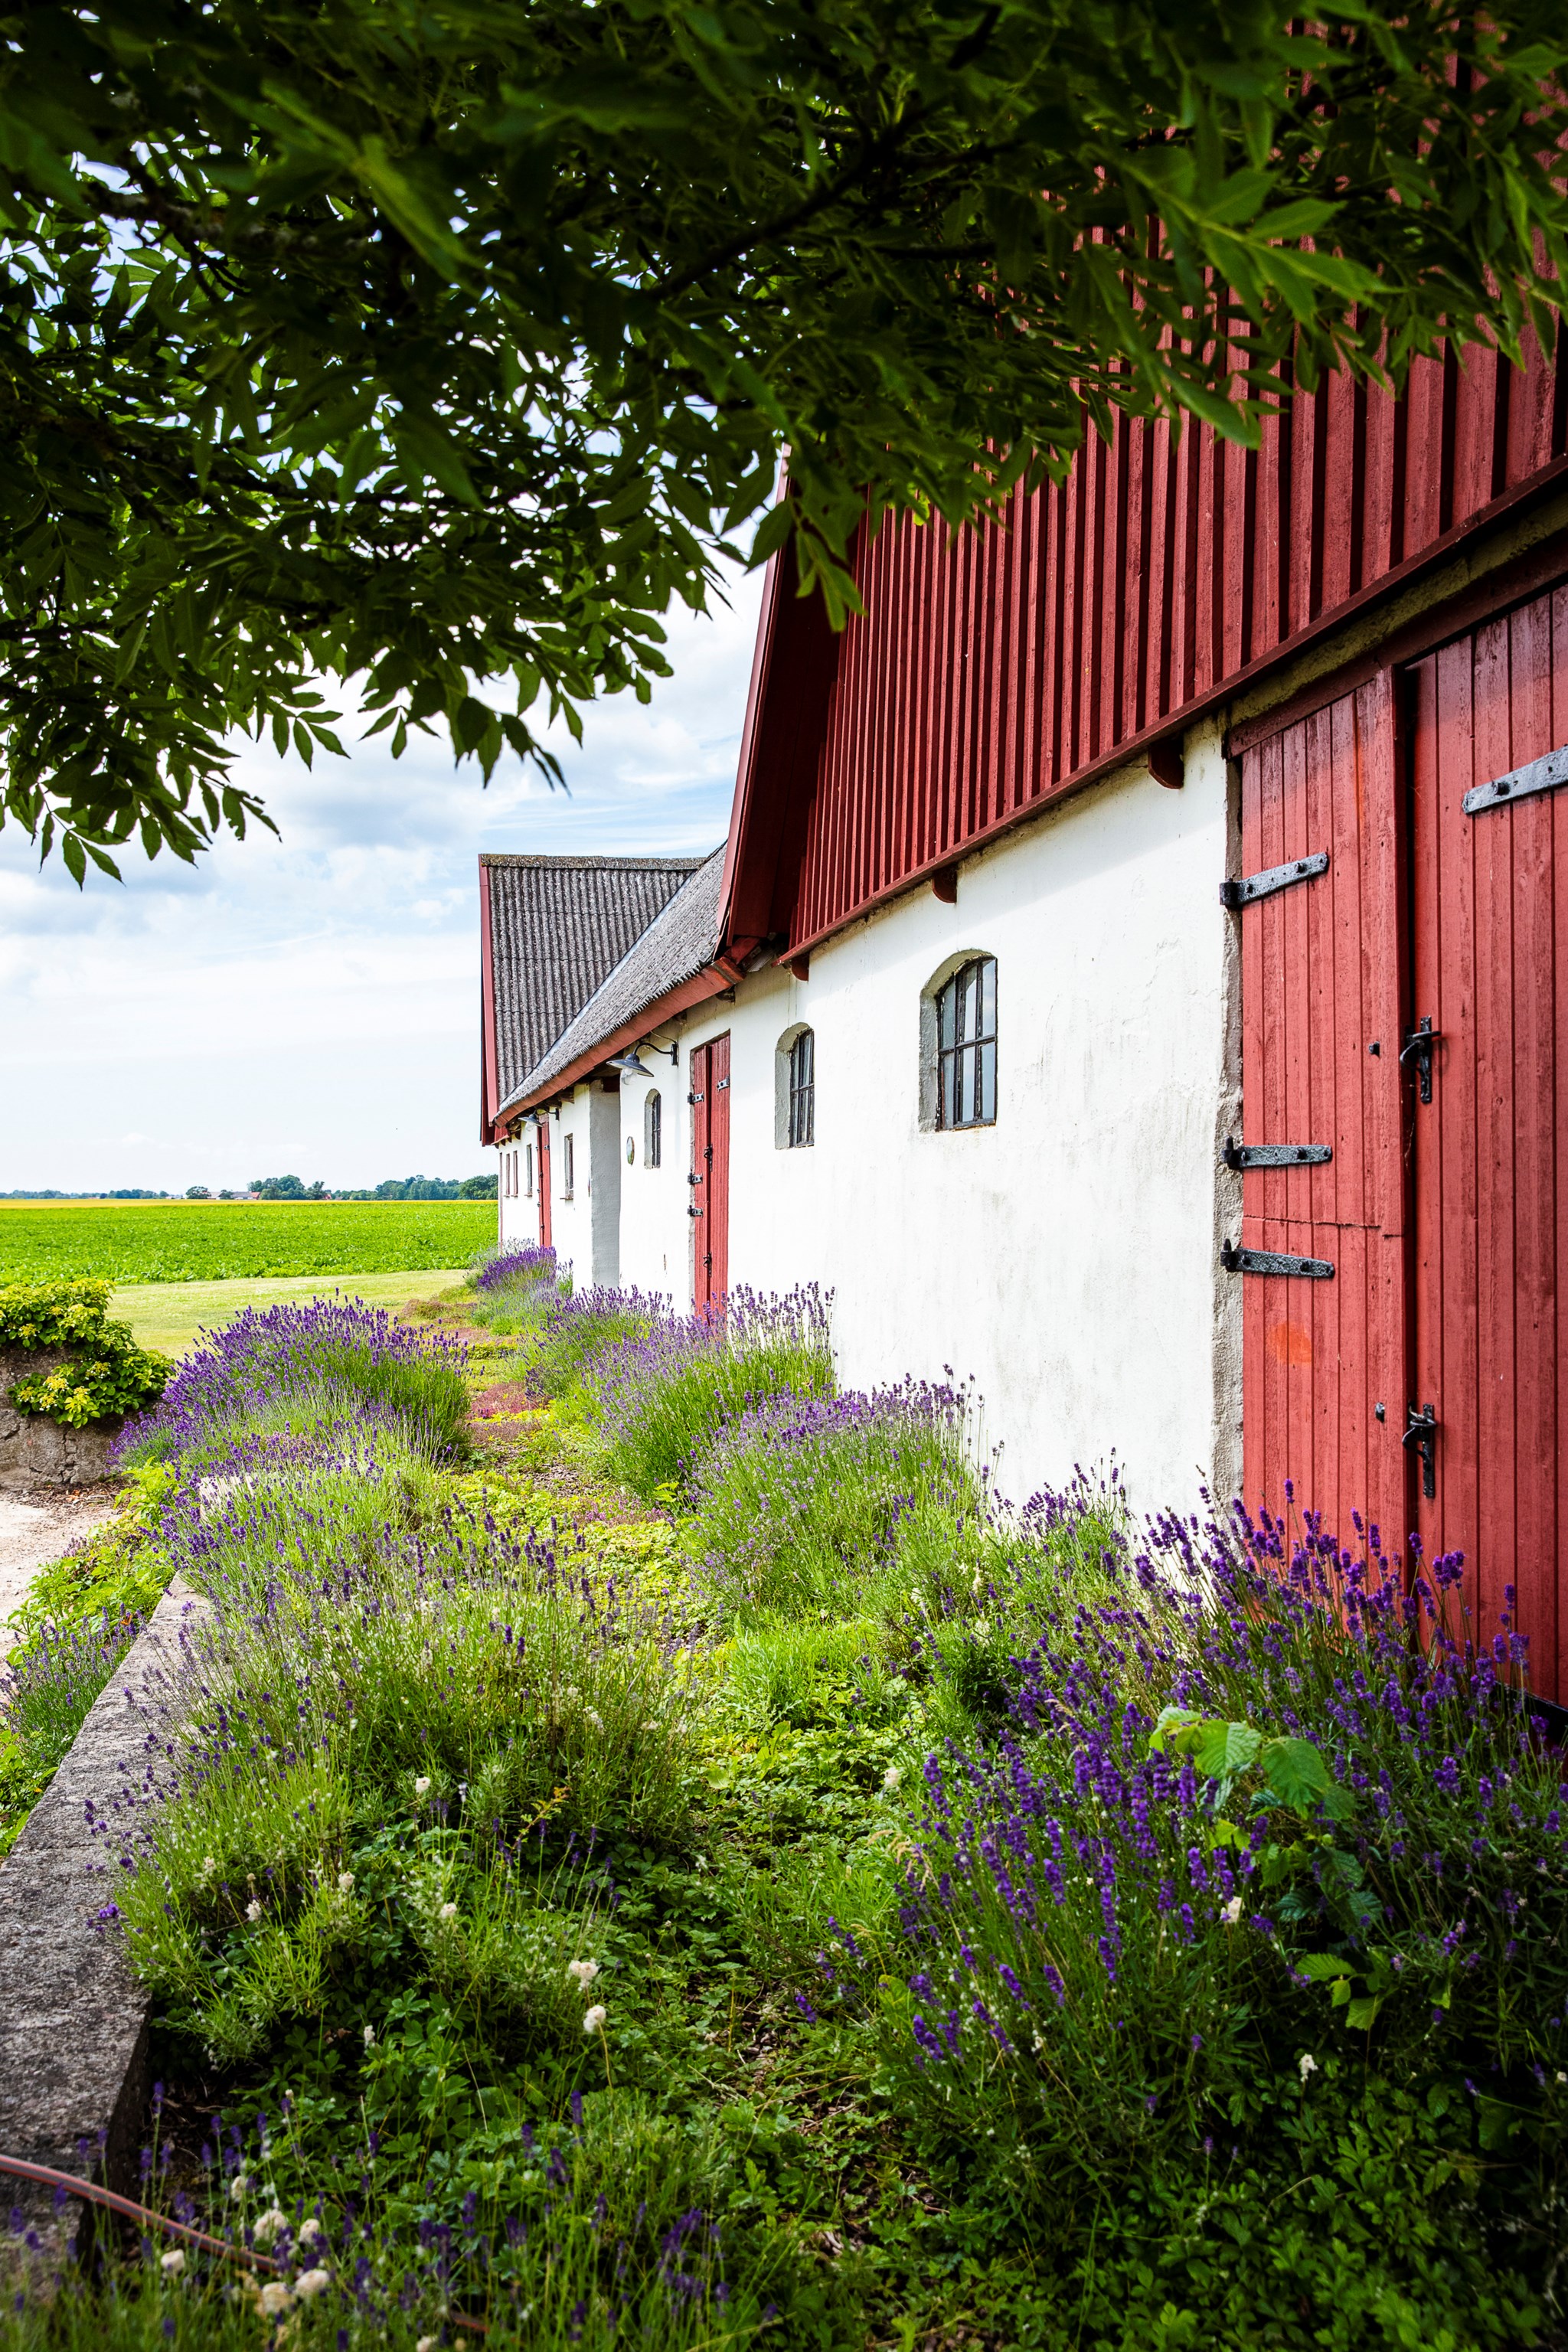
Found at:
(709, 1099)
(1490, 924)
(1321, 1002)
(543, 1133)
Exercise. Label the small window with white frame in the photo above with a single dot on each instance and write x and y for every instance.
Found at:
(528, 1169)
(567, 1158)
(653, 1130)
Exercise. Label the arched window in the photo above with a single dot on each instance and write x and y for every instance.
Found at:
(653, 1130)
(794, 1089)
(527, 1165)
(966, 1046)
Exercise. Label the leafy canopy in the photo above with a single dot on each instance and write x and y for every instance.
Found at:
(438, 346)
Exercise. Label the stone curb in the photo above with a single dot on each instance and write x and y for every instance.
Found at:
(73, 2021)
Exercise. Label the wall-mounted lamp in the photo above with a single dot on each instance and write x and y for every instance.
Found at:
(628, 1066)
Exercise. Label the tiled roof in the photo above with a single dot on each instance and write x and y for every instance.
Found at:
(559, 926)
(675, 947)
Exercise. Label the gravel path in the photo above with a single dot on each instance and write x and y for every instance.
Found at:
(37, 1527)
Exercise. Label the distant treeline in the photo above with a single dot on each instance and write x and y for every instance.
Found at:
(292, 1188)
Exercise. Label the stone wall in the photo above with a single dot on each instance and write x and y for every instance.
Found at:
(35, 1451)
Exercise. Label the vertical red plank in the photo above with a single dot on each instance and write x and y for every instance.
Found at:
(1497, 1389)
(1532, 990)
(1475, 410)
(1423, 404)
(1552, 1671)
(545, 1235)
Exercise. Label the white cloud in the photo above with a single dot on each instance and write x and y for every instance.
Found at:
(314, 998)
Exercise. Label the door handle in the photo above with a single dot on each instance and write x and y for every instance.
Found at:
(1421, 1430)
(1417, 1048)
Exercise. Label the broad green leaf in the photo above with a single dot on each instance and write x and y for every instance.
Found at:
(1360, 2014)
(1323, 1966)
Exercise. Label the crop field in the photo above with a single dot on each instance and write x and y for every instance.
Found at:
(223, 1241)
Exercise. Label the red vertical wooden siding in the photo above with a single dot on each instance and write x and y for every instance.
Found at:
(1319, 985)
(710, 1069)
(1489, 923)
(543, 1178)
(987, 670)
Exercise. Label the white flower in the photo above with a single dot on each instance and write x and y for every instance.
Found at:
(1307, 2064)
(310, 2230)
(310, 2283)
(253, 1910)
(345, 1881)
(581, 1973)
(1231, 1912)
(983, 1628)
(268, 2225)
(421, 1786)
(172, 2264)
(595, 1718)
(369, 2037)
(240, 2184)
(592, 2019)
(447, 1911)
(209, 1864)
(891, 1777)
(426, 2344)
(274, 2297)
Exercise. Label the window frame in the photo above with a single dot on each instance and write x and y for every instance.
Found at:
(966, 1030)
(568, 1165)
(528, 1170)
(653, 1129)
(800, 1105)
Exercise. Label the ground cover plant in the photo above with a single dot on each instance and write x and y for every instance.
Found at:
(104, 1374)
(214, 1241)
(826, 1906)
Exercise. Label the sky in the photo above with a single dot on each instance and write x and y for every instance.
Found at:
(308, 1006)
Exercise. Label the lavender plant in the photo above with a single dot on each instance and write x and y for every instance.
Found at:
(799, 1501)
(583, 1329)
(1262, 1816)
(661, 1398)
(339, 1349)
(516, 1289)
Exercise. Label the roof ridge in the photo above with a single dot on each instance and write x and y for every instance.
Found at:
(596, 865)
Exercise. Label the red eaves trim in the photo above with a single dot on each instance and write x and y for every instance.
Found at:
(1132, 748)
(488, 1084)
(756, 695)
(712, 980)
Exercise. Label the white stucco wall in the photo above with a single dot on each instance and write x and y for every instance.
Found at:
(1067, 1257)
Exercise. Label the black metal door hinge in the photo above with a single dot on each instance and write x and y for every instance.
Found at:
(1543, 775)
(1273, 877)
(1251, 1261)
(1421, 1430)
(1417, 1048)
(1276, 1155)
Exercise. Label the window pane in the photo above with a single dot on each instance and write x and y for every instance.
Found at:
(988, 998)
(947, 1015)
(987, 1090)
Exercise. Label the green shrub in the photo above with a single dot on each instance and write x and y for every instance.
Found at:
(107, 1374)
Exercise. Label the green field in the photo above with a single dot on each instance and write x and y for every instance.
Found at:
(224, 1241)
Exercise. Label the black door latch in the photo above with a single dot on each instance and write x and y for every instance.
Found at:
(1421, 1430)
(1417, 1048)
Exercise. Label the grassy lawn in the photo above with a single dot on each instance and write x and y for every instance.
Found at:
(169, 1315)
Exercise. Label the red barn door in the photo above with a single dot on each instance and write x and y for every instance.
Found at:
(1489, 1161)
(709, 1099)
(543, 1133)
(1319, 989)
